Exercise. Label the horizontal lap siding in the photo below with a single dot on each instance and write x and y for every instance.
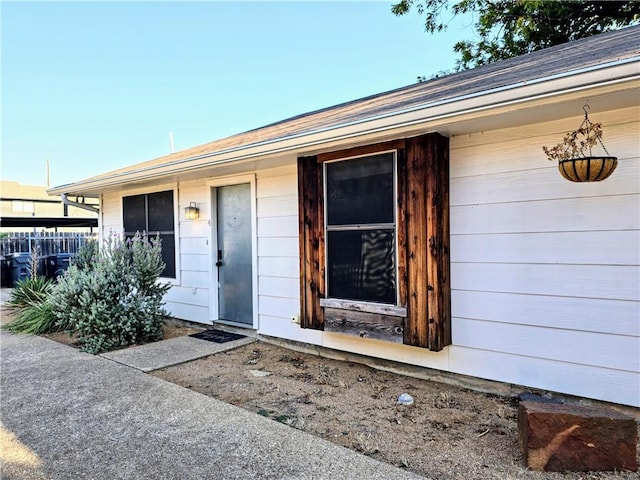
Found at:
(616, 317)
(564, 280)
(278, 257)
(619, 133)
(190, 299)
(555, 215)
(111, 214)
(544, 272)
(582, 248)
(617, 352)
(618, 386)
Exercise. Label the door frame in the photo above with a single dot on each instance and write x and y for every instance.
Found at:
(212, 185)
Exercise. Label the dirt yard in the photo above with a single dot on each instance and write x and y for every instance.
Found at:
(448, 433)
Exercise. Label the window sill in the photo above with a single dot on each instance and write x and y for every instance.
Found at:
(359, 306)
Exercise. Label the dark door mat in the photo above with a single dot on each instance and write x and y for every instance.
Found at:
(217, 336)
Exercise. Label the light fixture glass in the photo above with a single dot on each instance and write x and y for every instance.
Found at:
(192, 212)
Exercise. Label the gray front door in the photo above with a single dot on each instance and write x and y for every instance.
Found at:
(235, 296)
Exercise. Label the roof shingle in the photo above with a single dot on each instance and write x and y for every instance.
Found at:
(578, 55)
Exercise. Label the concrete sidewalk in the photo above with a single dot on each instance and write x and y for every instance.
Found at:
(70, 415)
(166, 353)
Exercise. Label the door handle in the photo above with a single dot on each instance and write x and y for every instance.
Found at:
(219, 262)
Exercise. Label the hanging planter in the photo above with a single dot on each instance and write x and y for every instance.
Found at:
(576, 160)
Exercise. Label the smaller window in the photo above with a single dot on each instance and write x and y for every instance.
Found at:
(361, 228)
(22, 206)
(153, 213)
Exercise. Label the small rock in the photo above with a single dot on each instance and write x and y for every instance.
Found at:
(260, 373)
(405, 399)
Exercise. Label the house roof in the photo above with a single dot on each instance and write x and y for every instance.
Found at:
(621, 47)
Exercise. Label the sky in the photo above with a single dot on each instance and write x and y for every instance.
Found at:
(95, 86)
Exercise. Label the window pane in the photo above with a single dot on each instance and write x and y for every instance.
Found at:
(361, 265)
(168, 256)
(360, 191)
(133, 211)
(160, 206)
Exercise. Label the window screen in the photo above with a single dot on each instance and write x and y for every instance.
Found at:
(160, 208)
(361, 191)
(134, 212)
(361, 230)
(153, 214)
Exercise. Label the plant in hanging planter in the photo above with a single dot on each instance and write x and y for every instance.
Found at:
(576, 160)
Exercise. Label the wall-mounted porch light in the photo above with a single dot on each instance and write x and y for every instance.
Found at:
(192, 212)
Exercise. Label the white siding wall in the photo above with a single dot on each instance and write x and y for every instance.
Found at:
(545, 273)
(278, 255)
(111, 214)
(189, 299)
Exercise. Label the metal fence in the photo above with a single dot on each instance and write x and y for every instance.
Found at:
(44, 243)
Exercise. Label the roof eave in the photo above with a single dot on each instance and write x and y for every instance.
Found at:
(615, 75)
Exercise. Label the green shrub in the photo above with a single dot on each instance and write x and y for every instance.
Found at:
(30, 291)
(114, 300)
(34, 313)
(86, 255)
(34, 319)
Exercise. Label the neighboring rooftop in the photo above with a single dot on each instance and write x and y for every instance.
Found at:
(29, 206)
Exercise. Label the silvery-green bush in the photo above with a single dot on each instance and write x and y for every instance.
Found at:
(113, 299)
(86, 255)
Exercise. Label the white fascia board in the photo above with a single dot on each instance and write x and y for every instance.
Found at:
(617, 76)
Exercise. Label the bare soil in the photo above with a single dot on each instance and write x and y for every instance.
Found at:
(448, 433)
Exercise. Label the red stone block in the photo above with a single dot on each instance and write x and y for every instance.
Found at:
(560, 438)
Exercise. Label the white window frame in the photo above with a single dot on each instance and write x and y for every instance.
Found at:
(176, 222)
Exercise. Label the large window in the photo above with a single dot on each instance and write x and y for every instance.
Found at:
(361, 228)
(374, 241)
(153, 213)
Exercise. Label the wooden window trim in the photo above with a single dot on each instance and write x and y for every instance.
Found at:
(311, 241)
(361, 151)
(361, 306)
(422, 243)
(428, 322)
